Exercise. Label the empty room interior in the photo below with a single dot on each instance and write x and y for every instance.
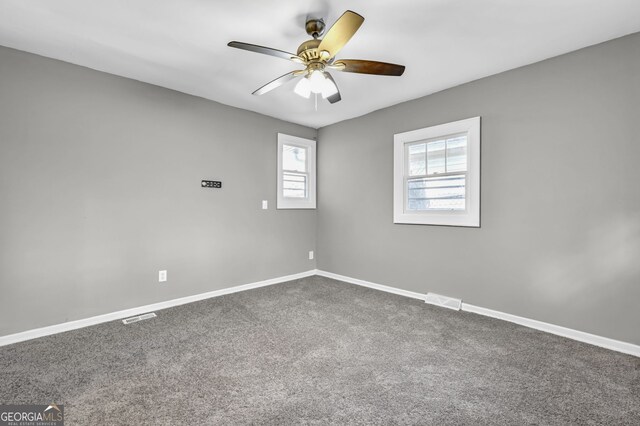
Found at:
(319, 212)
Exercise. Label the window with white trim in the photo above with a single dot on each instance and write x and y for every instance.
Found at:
(437, 175)
(296, 172)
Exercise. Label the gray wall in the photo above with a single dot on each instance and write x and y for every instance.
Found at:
(99, 189)
(560, 235)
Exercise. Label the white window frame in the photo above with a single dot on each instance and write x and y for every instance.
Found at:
(298, 203)
(469, 217)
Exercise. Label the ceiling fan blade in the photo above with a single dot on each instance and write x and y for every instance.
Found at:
(277, 82)
(367, 67)
(266, 51)
(340, 33)
(336, 96)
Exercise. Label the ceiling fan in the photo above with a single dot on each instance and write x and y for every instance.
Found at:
(318, 56)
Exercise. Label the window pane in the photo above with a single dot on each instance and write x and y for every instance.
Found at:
(417, 159)
(435, 157)
(436, 193)
(294, 185)
(457, 154)
(294, 158)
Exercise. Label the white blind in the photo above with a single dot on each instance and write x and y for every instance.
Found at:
(294, 185)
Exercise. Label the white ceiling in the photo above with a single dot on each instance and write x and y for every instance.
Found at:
(182, 44)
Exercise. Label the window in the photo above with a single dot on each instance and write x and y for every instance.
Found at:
(437, 175)
(296, 172)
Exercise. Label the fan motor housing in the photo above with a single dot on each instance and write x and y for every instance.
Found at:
(309, 50)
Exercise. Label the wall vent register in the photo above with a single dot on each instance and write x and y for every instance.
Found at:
(138, 318)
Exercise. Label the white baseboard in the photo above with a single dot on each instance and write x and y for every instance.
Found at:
(581, 336)
(73, 325)
(363, 283)
(615, 345)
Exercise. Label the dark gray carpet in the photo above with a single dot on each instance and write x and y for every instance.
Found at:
(320, 351)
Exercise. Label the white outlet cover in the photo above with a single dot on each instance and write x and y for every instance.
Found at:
(162, 276)
(265, 204)
(310, 255)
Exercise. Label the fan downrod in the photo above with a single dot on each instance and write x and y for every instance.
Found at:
(314, 27)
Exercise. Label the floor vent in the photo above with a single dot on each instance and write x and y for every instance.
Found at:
(443, 301)
(138, 318)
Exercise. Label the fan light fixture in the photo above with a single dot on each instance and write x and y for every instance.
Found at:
(303, 88)
(329, 88)
(316, 82)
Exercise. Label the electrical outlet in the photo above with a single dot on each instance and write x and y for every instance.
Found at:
(265, 204)
(311, 255)
(162, 276)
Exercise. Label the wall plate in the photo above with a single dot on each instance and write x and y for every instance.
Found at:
(211, 184)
